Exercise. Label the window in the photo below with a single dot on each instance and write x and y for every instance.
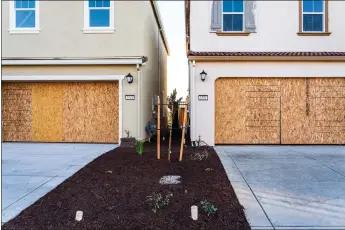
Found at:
(99, 16)
(313, 15)
(24, 16)
(233, 15)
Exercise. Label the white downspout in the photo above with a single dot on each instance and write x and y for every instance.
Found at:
(120, 107)
(193, 101)
(138, 104)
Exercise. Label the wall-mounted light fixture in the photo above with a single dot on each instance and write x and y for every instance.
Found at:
(129, 78)
(203, 75)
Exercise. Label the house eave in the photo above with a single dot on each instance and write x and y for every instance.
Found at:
(72, 61)
(160, 25)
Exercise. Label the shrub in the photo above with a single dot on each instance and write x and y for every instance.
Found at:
(127, 133)
(139, 147)
(209, 208)
(156, 201)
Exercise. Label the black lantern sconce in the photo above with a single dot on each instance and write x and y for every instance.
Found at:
(203, 75)
(129, 78)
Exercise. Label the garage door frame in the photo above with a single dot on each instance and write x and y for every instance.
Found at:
(73, 78)
(285, 142)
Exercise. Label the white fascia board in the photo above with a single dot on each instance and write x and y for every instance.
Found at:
(63, 78)
(120, 61)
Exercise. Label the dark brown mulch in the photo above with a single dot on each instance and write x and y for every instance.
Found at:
(117, 200)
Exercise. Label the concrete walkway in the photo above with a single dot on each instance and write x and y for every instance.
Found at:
(31, 170)
(288, 187)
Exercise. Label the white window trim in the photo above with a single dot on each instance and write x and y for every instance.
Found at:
(12, 25)
(87, 29)
(323, 17)
(243, 22)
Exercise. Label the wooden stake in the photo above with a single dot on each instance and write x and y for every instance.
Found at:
(158, 129)
(170, 133)
(183, 129)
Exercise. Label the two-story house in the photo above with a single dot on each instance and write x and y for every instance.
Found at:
(266, 72)
(80, 71)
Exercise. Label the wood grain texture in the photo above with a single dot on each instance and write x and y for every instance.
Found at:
(295, 110)
(47, 112)
(325, 123)
(102, 112)
(16, 112)
(61, 112)
(247, 111)
(295, 121)
(90, 112)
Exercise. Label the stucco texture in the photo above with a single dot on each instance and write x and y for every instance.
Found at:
(63, 36)
(276, 30)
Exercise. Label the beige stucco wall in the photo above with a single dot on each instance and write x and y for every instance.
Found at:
(136, 34)
(202, 114)
(154, 73)
(61, 35)
(129, 108)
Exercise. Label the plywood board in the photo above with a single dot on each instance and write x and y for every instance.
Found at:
(47, 112)
(74, 109)
(16, 112)
(324, 121)
(102, 112)
(295, 120)
(90, 112)
(61, 112)
(247, 111)
(295, 110)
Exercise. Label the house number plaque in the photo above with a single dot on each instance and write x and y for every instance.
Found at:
(130, 97)
(203, 97)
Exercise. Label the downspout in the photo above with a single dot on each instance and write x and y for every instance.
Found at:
(120, 108)
(138, 104)
(193, 101)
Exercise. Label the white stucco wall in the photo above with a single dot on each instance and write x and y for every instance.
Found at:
(202, 114)
(277, 27)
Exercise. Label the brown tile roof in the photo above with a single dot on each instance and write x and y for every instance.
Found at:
(258, 54)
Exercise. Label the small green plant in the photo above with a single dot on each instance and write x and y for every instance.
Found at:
(209, 208)
(127, 133)
(156, 201)
(200, 156)
(139, 145)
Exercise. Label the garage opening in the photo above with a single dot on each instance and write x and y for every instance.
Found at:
(85, 112)
(280, 111)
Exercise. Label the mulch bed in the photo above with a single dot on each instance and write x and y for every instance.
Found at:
(112, 191)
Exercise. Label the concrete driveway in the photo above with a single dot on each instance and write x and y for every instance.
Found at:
(31, 170)
(288, 187)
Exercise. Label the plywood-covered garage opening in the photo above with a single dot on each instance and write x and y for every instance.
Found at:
(85, 112)
(280, 111)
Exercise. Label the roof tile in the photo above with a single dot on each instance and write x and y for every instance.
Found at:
(193, 53)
